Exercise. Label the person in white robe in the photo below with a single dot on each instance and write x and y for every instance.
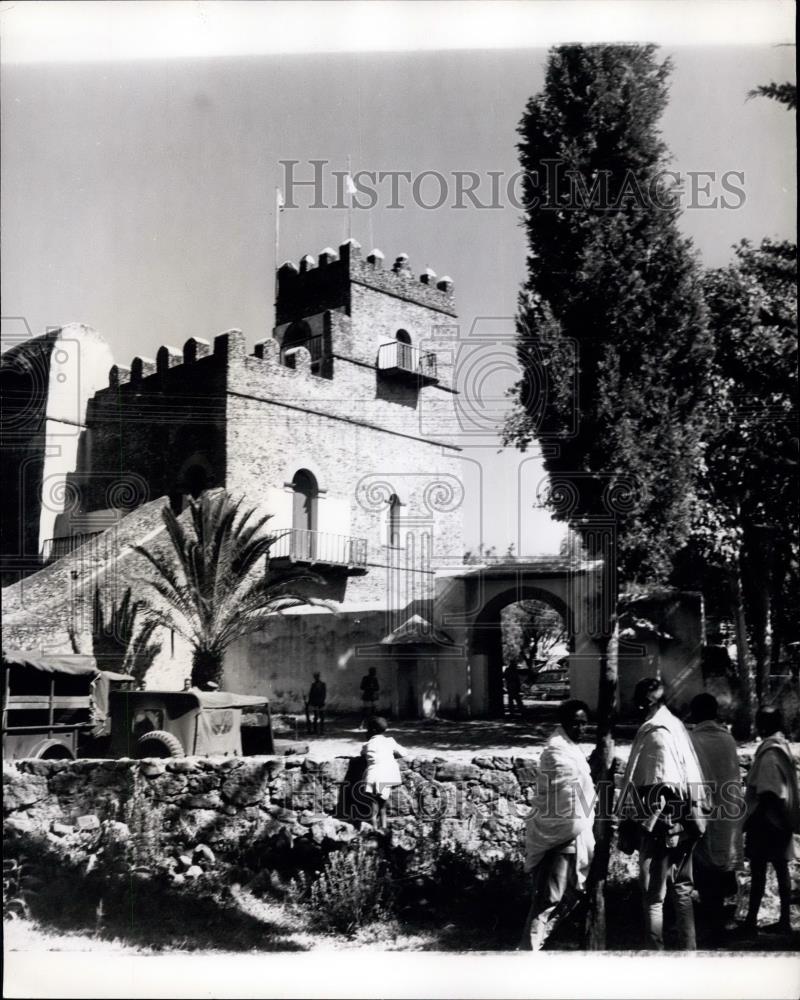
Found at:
(559, 841)
(663, 805)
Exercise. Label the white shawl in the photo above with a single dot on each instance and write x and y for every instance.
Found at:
(563, 809)
(662, 754)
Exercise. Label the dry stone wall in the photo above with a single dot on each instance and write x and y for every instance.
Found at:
(283, 804)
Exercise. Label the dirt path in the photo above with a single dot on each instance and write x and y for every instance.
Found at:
(450, 739)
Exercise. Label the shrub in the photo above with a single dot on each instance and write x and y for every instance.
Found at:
(20, 887)
(352, 890)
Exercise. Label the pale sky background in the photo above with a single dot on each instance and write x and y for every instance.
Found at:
(137, 196)
(138, 193)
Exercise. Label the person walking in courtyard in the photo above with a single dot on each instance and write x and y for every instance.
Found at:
(383, 772)
(772, 801)
(662, 801)
(370, 689)
(719, 853)
(559, 842)
(317, 694)
(513, 687)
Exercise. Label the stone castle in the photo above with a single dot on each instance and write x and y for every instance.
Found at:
(340, 426)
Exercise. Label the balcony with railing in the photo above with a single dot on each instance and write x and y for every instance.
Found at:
(321, 549)
(400, 360)
(57, 548)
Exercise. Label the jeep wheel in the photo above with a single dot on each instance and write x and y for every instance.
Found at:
(158, 744)
(53, 750)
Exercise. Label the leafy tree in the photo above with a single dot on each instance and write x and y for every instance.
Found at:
(784, 93)
(746, 520)
(213, 582)
(531, 630)
(613, 285)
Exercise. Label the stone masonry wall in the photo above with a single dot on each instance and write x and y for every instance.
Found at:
(281, 803)
(274, 811)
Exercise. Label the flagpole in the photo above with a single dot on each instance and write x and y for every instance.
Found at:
(278, 200)
(349, 200)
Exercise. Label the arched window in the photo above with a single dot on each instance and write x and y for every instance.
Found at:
(394, 521)
(196, 480)
(304, 515)
(297, 335)
(304, 503)
(405, 352)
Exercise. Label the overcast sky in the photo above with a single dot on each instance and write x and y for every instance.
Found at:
(138, 195)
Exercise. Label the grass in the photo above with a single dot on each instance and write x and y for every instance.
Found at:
(455, 913)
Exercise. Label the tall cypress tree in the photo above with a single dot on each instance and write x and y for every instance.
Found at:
(614, 284)
(612, 338)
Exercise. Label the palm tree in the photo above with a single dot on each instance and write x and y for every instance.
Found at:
(121, 642)
(212, 581)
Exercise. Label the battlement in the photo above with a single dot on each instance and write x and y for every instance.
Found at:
(324, 283)
(168, 358)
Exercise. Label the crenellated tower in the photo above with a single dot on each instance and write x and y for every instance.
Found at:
(354, 309)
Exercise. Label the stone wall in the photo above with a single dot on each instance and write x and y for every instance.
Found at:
(267, 811)
(280, 803)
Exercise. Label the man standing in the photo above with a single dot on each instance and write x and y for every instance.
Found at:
(662, 799)
(513, 687)
(719, 853)
(370, 689)
(559, 842)
(772, 800)
(317, 694)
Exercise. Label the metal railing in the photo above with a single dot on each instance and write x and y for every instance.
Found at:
(397, 356)
(57, 548)
(302, 545)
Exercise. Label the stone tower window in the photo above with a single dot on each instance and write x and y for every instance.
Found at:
(403, 336)
(196, 479)
(304, 515)
(304, 503)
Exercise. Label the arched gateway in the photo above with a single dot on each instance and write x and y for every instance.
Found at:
(469, 604)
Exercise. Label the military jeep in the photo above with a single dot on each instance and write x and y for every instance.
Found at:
(186, 723)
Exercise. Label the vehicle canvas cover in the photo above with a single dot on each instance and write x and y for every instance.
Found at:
(205, 722)
(51, 663)
(219, 725)
(219, 732)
